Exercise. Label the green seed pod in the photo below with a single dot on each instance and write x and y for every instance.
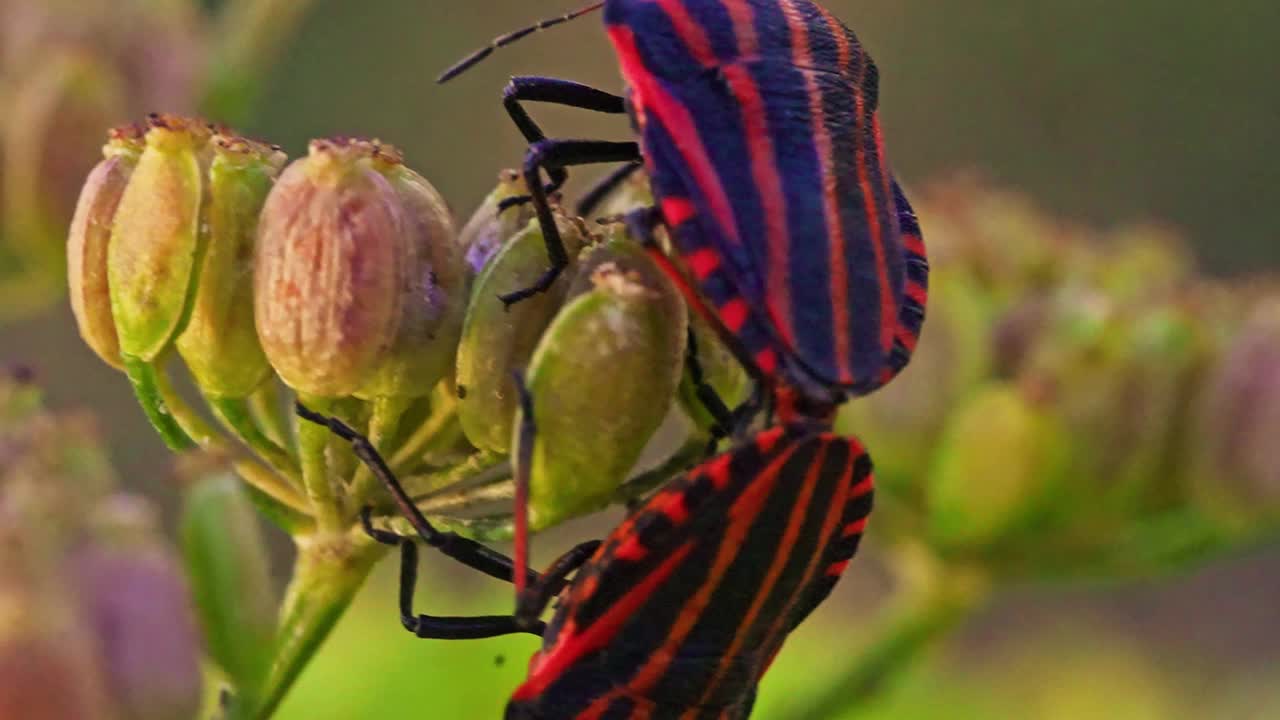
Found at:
(328, 270)
(156, 243)
(632, 194)
(603, 378)
(497, 340)
(220, 344)
(1000, 462)
(88, 239)
(488, 230)
(434, 293)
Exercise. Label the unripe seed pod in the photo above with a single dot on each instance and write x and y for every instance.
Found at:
(220, 344)
(88, 239)
(488, 230)
(434, 292)
(155, 244)
(999, 463)
(603, 378)
(327, 286)
(497, 340)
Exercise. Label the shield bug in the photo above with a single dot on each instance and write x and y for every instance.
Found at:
(758, 128)
(684, 605)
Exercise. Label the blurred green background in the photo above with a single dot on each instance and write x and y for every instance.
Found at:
(1102, 112)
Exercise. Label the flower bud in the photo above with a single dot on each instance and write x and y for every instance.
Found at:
(602, 379)
(1238, 468)
(220, 344)
(632, 194)
(156, 243)
(497, 340)
(1000, 461)
(329, 269)
(136, 604)
(433, 290)
(88, 239)
(488, 229)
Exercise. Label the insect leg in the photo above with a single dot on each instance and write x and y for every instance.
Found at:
(561, 153)
(464, 550)
(528, 88)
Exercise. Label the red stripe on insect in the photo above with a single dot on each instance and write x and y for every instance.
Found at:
(734, 314)
(917, 292)
(767, 361)
(862, 488)
(744, 27)
(677, 211)
(765, 441)
(648, 91)
(702, 262)
(691, 33)
(764, 171)
(857, 527)
(837, 569)
(742, 514)
(914, 244)
(802, 55)
(570, 646)
(781, 556)
(631, 550)
(718, 470)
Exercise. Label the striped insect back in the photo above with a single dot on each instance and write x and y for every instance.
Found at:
(681, 610)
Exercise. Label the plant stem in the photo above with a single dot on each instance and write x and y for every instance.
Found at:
(443, 411)
(382, 428)
(146, 381)
(329, 570)
(265, 406)
(911, 626)
(250, 35)
(234, 414)
(313, 439)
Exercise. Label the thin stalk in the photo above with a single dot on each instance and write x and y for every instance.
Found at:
(313, 439)
(265, 406)
(234, 414)
(443, 411)
(250, 35)
(146, 380)
(387, 412)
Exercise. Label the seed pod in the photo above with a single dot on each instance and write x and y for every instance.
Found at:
(632, 194)
(88, 238)
(488, 230)
(220, 344)
(497, 340)
(999, 463)
(156, 243)
(328, 271)
(602, 378)
(433, 290)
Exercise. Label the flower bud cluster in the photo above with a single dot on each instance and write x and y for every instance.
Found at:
(1073, 393)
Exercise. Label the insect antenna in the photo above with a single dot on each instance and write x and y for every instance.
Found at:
(503, 40)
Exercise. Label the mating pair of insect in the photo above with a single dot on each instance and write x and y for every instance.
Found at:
(758, 130)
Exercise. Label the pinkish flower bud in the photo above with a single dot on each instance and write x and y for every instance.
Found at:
(328, 289)
(88, 239)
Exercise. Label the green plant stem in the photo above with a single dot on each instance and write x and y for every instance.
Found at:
(313, 440)
(387, 412)
(234, 414)
(251, 34)
(265, 406)
(442, 413)
(147, 382)
(910, 628)
(329, 570)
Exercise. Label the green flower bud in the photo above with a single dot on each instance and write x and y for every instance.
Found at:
(497, 340)
(632, 194)
(88, 239)
(433, 290)
(602, 379)
(488, 230)
(1238, 468)
(329, 269)
(220, 344)
(156, 244)
(999, 464)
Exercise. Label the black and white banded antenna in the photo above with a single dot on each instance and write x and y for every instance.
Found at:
(471, 60)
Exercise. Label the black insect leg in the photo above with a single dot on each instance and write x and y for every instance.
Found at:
(464, 550)
(435, 626)
(592, 198)
(560, 154)
(528, 88)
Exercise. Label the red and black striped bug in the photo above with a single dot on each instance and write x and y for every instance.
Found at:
(758, 128)
(679, 612)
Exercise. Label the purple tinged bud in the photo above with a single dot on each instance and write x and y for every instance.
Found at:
(488, 230)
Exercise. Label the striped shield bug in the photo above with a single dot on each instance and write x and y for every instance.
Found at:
(758, 128)
(682, 608)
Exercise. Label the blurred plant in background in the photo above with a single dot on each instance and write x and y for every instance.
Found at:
(69, 68)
